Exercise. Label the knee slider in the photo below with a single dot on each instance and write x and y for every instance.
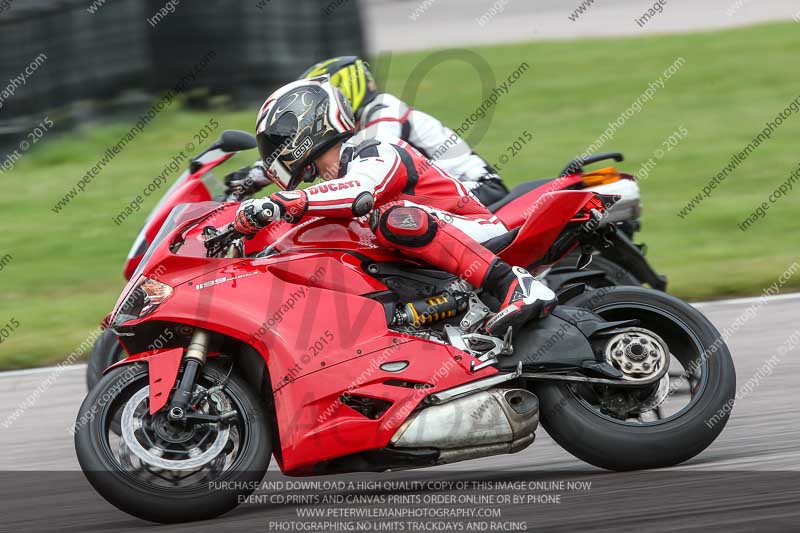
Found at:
(407, 226)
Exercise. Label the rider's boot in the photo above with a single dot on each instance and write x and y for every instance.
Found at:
(522, 297)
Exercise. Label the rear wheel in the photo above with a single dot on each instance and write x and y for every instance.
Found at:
(166, 471)
(654, 426)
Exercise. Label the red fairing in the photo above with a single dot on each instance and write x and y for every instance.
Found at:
(162, 372)
(553, 211)
(314, 423)
(516, 212)
(303, 312)
(171, 268)
(305, 331)
(305, 307)
(337, 271)
(314, 233)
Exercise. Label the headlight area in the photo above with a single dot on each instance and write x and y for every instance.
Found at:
(145, 296)
(156, 335)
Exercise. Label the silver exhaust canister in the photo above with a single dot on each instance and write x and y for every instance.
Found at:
(491, 422)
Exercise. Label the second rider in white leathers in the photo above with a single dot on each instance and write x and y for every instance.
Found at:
(384, 116)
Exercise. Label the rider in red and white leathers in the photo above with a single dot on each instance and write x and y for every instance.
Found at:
(413, 205)
(384, 116)
(402, 177)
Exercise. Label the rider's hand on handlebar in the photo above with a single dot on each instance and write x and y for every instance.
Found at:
(253, 215)
(247, 180)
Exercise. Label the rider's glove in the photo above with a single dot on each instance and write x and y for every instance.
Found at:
(253, 215)
(247, 180)
(293, 204)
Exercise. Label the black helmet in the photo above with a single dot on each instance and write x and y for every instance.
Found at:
(349, 74)
(298, 123)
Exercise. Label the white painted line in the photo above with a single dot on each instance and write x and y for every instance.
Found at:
(748, 300)
(732, 301)
(40, 370)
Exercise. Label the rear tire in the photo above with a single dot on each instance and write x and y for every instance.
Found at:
(615, 445)
(149, 499)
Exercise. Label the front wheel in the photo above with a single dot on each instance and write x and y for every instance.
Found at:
(612, 274)
(166, 471)
(660, 425)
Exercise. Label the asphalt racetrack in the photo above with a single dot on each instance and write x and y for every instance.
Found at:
(748, 480)
(422, 24)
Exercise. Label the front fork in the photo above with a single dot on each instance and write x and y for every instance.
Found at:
(194, 359)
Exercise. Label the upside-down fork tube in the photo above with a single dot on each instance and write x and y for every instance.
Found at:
(162, 370)
(195, 358)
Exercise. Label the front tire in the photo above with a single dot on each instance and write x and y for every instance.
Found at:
(612, 273)
(106, 351)
(113, 463)
(620, 444)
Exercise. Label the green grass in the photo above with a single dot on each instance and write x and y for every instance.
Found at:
(66, 268)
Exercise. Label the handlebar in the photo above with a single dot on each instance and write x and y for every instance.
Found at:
(254, 180)
(577, 164)
(217, 240)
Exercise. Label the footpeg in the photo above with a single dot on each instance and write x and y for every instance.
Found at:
(477, 312)
(480, 366)
(485, 348)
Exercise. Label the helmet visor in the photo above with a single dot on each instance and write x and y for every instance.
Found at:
(270, 148)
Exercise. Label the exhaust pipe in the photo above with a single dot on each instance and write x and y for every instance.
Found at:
(492, 422)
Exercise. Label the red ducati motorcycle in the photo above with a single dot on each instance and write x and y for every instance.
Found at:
(311, 344)
(618, 262)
